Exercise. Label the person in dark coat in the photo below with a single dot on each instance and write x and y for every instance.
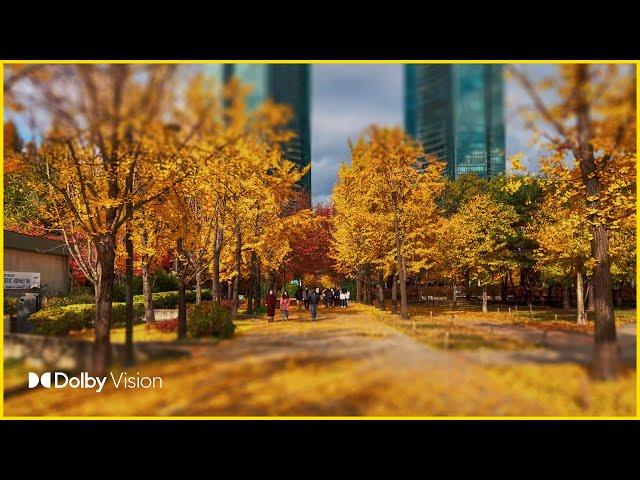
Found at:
(336, 297)
(299, 298)
(314, 300)
(271, 305)
(327, 295)
(305, 297)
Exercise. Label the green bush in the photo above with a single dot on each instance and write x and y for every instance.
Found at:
(119, 287)
(61, 320)
(210, 321)
(190, 295)
(160, 300)
(262, 310)
(10, 305)
(164, 282)
(291, 289)
(77, 296)
(170, 299)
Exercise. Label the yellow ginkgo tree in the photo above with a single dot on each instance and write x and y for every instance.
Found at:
(396, 195)
(591, 121)
(475, 241)
(112, 143)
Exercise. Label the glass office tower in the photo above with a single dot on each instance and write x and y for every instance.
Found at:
(289, 85)
(457, 113)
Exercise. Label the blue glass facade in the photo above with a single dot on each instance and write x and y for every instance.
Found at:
(410, 100)
(457, 113)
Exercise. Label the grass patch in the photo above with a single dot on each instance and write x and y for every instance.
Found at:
(568, 390)
(141, 333)
(462, 335)
(16, 372)
(544, 318)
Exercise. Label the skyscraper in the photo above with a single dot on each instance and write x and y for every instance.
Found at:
(289, 85)
(457, 113)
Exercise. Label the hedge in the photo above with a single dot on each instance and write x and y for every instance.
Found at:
(78, 296)
(61, 320)
(170, 299)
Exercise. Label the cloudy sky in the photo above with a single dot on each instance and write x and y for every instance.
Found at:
(345, 100)
(348, 98)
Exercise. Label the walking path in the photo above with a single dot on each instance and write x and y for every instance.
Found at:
(346, 363)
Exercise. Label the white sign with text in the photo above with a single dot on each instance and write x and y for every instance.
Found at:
(21, 280)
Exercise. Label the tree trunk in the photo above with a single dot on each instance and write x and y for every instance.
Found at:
(454, 296)
(394, 295)
(504, 291)
(359, 288)
(580, 318)
(606, 346)
(252, 282)
(128, 342)
(106, 250)
(485, 308)
(618, 296)
(606, 355)
(590, 305)
(380, 290)
(236, 280)
(198, 288)
(367, 290)
(404, 310)
(216, 292)
(182, 306)
(257, 294)
(513, 288)
(149, 313)
(182, 309)
(566, 301)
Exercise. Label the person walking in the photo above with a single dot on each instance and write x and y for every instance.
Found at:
(299, 298)
(314, 300)
(305, 298)
(343, 298)
(284, 306)
(336, 297)
(271, 305)
(326, 293)
(348, 295)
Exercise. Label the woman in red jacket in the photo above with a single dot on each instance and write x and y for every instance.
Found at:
(271, 305)
(284, 306)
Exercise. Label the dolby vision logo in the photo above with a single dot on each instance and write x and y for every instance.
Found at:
(44, 380)
(85, 381)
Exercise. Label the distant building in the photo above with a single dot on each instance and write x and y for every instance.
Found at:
(289, 84)
(35, 261)
(457, 113)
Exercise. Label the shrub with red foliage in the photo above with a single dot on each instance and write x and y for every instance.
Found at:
(166, 326)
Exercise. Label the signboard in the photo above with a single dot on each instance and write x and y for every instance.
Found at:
(21, 280)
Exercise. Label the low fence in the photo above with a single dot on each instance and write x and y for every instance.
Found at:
(496, 294)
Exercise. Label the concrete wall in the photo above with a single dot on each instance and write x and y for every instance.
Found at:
(54, 269)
